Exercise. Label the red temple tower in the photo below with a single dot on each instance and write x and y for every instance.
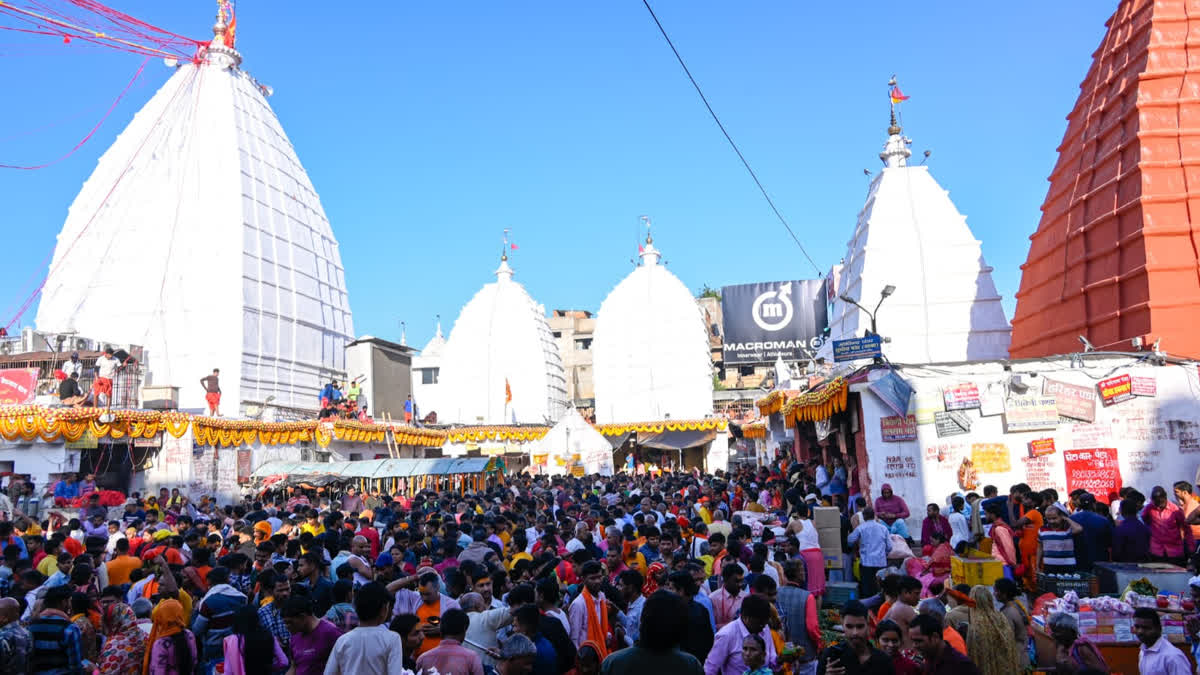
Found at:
(1115, 256)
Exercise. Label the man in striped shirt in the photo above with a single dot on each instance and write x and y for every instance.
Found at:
(1056, 542)
(57, 646)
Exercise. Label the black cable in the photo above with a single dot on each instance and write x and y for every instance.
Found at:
(729, 138)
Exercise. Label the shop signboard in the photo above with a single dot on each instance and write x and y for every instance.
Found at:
(870, 347)
(1072, 400)
(1030, 413)
(897, 429)
(764, 322)
(1096, 470)
(951, 423)
(1115, 389)
(18, 386)
(961, 396)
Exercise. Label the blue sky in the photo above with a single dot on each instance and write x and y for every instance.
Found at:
(427, 128)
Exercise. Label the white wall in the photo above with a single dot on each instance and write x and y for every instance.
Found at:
(39, 460)
(1157, 438)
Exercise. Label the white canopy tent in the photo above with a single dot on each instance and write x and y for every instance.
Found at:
(572, 437)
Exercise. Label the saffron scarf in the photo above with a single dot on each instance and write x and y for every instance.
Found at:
(167, 620)
(597, 632)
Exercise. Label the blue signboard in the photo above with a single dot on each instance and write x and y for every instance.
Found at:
(895, 392)
(869, 347)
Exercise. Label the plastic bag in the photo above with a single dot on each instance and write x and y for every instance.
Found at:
(900, 549)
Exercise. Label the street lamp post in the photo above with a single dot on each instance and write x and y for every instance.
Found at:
(883, 295)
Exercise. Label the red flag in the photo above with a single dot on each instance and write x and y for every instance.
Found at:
(507, 392)
(513, 246)
(897, 95)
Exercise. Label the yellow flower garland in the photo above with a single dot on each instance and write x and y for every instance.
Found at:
(707, 424)
(496, 433)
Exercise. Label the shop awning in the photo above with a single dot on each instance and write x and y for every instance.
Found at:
(310, 472)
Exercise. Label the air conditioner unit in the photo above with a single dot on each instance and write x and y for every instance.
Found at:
(82, 345)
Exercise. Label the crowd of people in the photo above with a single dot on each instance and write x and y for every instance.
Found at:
(667, 573)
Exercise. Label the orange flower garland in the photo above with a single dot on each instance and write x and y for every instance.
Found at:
(755, 430)
(819, 404)
(771, 403)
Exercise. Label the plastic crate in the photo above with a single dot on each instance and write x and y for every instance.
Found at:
(975, 571)
(1086, 586)
(838, 593)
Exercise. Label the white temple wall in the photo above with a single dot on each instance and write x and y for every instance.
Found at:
(1156, 439)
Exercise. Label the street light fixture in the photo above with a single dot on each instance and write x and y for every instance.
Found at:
(883, 295)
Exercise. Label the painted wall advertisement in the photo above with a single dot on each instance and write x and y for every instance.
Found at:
(1096, 470)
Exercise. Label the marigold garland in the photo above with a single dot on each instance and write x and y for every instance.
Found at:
(819, 404)
(754, 430)
(28, 423)
(773, 402)
(496, 433)
(707, 424)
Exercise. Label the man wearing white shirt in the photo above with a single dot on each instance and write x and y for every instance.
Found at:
(106, 370)
(73, 366)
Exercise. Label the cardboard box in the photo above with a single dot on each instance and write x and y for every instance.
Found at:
(831, 540)
(827, 517)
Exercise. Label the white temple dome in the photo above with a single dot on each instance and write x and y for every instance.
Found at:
(650, 353)
(501, 343)
(200, 237)
(911, 236)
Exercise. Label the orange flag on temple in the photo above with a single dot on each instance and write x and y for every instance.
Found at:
(507, 392)
(897, 95)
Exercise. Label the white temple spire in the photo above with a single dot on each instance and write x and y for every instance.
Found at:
(895, 150)
(649, 254)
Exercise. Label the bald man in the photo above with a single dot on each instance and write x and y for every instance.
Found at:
(485, 623)
(363, 572)
(15, 641)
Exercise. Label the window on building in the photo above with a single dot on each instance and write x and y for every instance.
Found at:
(557, 334)
(745, 371)
(429, 375)
(583, 344)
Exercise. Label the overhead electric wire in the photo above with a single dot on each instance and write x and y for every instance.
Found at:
(729, 138)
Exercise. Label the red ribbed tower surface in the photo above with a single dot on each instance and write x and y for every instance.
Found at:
(1115, 255)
